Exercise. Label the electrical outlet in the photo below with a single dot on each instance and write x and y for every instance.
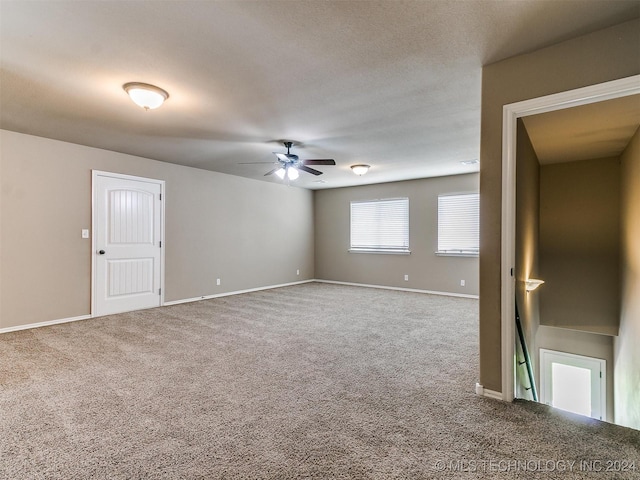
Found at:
(85, 233)
(406, 278)
(217, 281)
(462, 283)
(297, 272)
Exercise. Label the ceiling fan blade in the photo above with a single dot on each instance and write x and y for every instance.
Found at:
(272, 171)
(319, 161)
(254, 163)
(309, 170)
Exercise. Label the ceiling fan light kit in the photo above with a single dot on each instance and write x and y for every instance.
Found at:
(292, 173)
(291, 165)
(145, 95)
(360, 169)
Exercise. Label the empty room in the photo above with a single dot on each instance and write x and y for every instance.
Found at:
(319, 239)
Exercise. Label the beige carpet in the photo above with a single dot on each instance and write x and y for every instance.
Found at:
(309, 381)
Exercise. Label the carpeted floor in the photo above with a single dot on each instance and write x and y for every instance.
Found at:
(309, 381)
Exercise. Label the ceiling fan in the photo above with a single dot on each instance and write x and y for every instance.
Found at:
(290, 164)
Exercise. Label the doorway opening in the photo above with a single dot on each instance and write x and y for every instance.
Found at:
(511, 114)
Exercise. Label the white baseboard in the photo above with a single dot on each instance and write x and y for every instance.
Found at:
(43, 324)
(415, 290)
(236, 292)
(176, 302)
(485, 392)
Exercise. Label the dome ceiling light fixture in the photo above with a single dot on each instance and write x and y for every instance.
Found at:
(145, 95)
(360, 169)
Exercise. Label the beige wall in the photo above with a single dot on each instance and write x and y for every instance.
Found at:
(627, 344)
(246, 232)
(527, 254)
(591, 59)
(580, 245)
(426, 270)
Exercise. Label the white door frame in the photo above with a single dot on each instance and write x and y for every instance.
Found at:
(546, 359)
(510, 115)
(94, 175)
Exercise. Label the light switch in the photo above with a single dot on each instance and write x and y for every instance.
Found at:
(85, 233)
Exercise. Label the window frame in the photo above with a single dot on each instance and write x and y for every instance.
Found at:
(457, 252)
(380, 249)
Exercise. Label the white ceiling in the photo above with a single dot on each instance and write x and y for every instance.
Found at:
(394, 84)
(598, 130)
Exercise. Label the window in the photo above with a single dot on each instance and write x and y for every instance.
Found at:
(459, 224)
(380, 226)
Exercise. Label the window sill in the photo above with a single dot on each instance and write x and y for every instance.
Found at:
(380, 251)
(457, 254)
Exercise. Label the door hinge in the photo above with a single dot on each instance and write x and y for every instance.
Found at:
(601, 374)
(160, 243)
(512, 272)
(159, 291)
(160, 196)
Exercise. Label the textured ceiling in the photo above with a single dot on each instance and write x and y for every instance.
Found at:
(597, 130)
(393, 84)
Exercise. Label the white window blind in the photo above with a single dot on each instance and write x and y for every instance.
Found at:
(380, 225)
(459, 224)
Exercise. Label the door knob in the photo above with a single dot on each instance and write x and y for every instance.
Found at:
(102, 252)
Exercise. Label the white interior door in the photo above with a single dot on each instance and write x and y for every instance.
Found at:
(574, 383)
(127, 240)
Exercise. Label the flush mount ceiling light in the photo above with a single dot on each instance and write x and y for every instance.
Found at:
(470, 162)
(145, 95)
(360, 169)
